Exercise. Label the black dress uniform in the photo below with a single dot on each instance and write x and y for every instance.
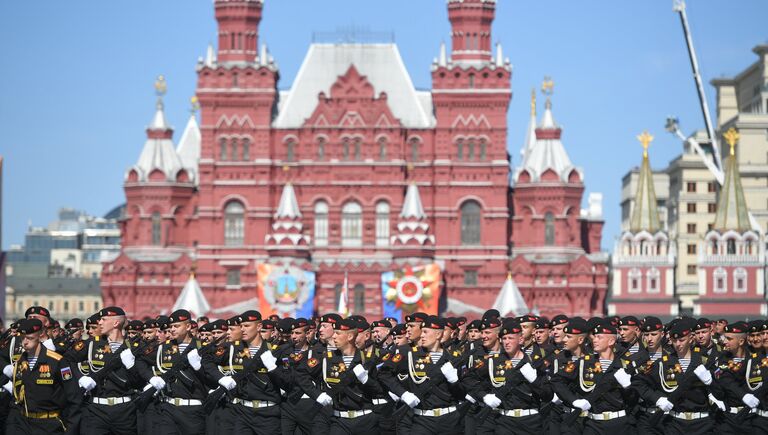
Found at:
(333, 375)
(438, 410)
(45, 394)
(730, 386)
(672, 379)
(10, 352)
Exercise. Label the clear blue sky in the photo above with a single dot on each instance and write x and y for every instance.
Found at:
(76, 80)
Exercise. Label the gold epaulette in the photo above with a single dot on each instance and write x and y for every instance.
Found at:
(53, 355)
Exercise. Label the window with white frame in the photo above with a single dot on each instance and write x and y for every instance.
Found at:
(321, 223)
(157, 229)
(720, 277)
(234, 224)
(352, 225)
(359, 298)
(382, 223)
(740, 280)
(233, 277)
(470, 223)
(634, 276)
(653, 275)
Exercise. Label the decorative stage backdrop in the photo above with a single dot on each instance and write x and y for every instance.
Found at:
(411, 289)
(286, 290)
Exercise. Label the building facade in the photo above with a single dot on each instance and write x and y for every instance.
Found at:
(354, 179)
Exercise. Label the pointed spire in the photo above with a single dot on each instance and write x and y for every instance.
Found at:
(732, 213)
(499, 55)
(189, 144)
(443, 55)
(645, 216)
(547, 88)
(288, 207)
(412, 205)
(510, 300)
(264, 55)
(192, 298)
(158, 121)
(210, 56)
(530, 134)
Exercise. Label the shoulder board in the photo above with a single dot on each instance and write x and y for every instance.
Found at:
(536, 357)
(628, 354)
(697, 349)
(329, 354)
(586, 357)
(272, 347)
(168, 341)
(665, 358)
(96, 338)
(415, 348)
(136, 344)
(754, 355)
(456, 353)
(53, 355)
(236, 343)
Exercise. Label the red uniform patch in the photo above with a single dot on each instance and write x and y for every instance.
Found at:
(386, 357)
(312, 362)
(79, 346)
(397, 357)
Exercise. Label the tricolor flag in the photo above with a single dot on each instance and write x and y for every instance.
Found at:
(343, 309)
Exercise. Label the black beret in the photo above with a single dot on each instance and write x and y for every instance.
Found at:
(55, 324)
(528, 318)
(433, 322)
(75, 323)
(345, 325)
(384, 323)
(274, 317)
(491, 313)
(208, 327)
(510, 326)
(250, 316)
(614, 320)
(331, 318)
(92, 320)
(111, 311)
(629, 321)
(285, 326)
(299, 323)
(737, 328)
(604, 328)
(651, 324)
(542, 323)
(461, 321)
(593, 321)
(29, 326)
(475, 324)
(576, 326)
(680, 330)
(416, 317)
(134, 325)
(391, 320)
(490, 323)
(234, 321)
(559, 320)
(363, 325)
(398, 330)
(451, 322)
(38, 310)
(150, 324)
(268, 325)
(163, 322)
(755, 326)
(179, 316)
(703, 323)
(221, 324)
(193, 324)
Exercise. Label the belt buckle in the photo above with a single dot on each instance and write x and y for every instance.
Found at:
(688, 415)
(606, 415)
(177, 401)
(352, 414)
(437, 412)
(517, 412)
(110, 401)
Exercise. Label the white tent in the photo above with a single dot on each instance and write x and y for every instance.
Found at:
(510, 300)
(192, 299)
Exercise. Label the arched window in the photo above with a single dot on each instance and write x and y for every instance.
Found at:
(234, 224)
(321, 223)
(471, 149)
(345, 148)
(653, 276)
(634, 280)
(359, 299)
(382, 223)
(223, 149)
(320, 148)
(415, 150)
(290, 150)
(352, 224)
(358, 148)
(460, 149)
(471, 81)
(549, 229)
(731, 246)
(382, 148)
(470, 223)
(483, 149)
(721, 276)
(246, 150)
(336, 295)
(157, 229)
(740, 280)
(233, 149)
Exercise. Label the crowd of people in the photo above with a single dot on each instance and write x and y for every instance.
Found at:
(429, 375)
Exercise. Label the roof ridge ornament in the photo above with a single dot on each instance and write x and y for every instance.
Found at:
(732, 137)
(161, 88)
(645, 139)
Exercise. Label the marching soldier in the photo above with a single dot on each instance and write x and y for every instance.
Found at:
(298, 409)
(731, 382)
(42, 386)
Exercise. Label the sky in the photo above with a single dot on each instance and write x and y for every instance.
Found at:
(76, 82)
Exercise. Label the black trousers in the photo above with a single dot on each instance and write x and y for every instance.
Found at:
(497, 424)
(321, 423)
(447, 424)
(731, 424)
(256, 421)
(365, 425)
(387, 423)
(616, 426)
(20, 425)
(109, 420)
(180, 420)
(760, 425)
(404, 424)
(297, 418)
(643, 425)
(676, 426)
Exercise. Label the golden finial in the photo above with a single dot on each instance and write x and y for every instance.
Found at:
(645, 139)
(286, 168)
(533, 102)
(161, 87)
(732, 137)
(195, 104)
(547, 86)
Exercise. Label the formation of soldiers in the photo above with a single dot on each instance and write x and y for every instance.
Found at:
(429, 375)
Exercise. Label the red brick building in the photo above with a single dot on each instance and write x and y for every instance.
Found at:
(353, 173)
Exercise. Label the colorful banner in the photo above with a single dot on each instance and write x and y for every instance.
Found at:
(410, 290)
(285, 290)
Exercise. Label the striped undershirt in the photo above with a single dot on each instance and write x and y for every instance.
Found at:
(435, 356)
(738, 360)
(32, 361)
(634, 348)
(605, 363)
(253, 350)
(183, 347)
(114, 345)
(528, 350)
(348, 359)
(684, 363)
(516, 361)
(656, 355)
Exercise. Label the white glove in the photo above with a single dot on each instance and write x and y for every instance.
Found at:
(8, 387)
(528, 372)
(750, 400)
(269, 360)
(582, 404)
(556, 400)
(719, 403)
(470, 399)
(195, 360)
(324, 399)
(157, 382)
(664, 404)
(87, 383)
(623, 378)
(8, 371)
(228, 383)
(410, 399)
(703, 374)
(450, 373)
(393, 396)
(492, 401)
(147, 387)
(128, 359)
(361, 373)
